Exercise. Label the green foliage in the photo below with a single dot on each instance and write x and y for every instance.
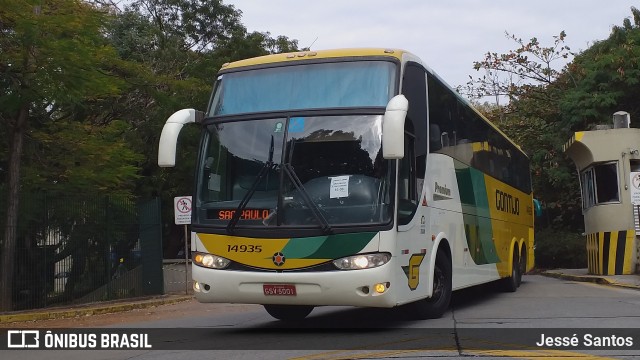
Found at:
(605, 78)
(558, 248)
(547, 105)
(73, 157)
(529, 77)
(54, 61)
(175, 48)
(171, 51)
(52, 54)
(108, 80)
(86, 89)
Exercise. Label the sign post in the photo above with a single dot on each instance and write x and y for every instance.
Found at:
(182, 213)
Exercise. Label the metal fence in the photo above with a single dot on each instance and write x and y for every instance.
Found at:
(82, 249)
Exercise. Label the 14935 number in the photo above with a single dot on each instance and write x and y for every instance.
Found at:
(244, 248)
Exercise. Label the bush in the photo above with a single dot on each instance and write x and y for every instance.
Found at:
(558, 248)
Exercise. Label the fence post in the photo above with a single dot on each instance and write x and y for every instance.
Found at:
(45, 246)
(151, 247)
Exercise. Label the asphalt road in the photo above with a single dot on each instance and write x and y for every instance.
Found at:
(482, 322)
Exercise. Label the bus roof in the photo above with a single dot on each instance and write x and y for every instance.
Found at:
(308, 55)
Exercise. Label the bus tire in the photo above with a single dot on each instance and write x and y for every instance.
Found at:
(438, 303)
(522, 265)
(288, 312)
(510, 284)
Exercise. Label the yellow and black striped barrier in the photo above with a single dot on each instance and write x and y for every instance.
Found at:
(610, 252)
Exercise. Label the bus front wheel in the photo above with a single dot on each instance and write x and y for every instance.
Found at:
(438, 303)
(288, 312)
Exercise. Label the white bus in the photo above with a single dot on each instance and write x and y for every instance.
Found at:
(350, 177)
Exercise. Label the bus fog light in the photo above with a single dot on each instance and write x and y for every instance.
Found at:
(363, 261)
(196, 286)
(380, 288)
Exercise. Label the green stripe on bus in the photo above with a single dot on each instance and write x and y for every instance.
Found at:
(327, 247)
(476, 214)
(303, 248)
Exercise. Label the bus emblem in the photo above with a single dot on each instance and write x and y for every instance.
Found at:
(278, 259)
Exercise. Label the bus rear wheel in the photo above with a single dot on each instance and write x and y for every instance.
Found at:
(511, 283)
(288, 312)
(438, 303)
(523, 265)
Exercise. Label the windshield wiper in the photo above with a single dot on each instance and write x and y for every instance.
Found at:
(288, 169)
(269, 165)
(324, 224)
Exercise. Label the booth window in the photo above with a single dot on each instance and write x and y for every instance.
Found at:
(600, 184)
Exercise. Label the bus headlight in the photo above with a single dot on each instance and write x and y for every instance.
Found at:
(210, 260)
(364, 261)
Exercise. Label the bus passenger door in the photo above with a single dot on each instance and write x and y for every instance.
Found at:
(412, 245)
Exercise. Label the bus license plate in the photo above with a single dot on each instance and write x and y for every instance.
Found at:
(279, 289)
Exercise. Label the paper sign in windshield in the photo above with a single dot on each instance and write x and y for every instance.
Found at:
(339, 187)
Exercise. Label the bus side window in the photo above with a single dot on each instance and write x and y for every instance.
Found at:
(413, 165)
(435, 142)
(407, 199)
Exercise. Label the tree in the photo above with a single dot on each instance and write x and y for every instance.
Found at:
(525, 71)
(90, 77)
(173, 50)
(548, 103)
(82, 158)
(53, 56)
(532, 79)
(606, 78)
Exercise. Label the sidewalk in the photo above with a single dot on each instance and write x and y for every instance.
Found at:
(91, 309)
(626, 281)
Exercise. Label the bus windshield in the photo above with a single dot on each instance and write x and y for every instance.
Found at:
(321, 171)
(309, 86)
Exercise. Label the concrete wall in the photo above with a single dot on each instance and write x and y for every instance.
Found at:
(175, 276)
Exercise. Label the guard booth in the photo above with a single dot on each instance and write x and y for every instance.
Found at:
(608, 162)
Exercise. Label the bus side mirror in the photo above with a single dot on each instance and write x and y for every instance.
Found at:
(170, 132)
(537, 208)
(393, 127)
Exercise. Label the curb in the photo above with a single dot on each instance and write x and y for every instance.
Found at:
(587, 278)
(43, 314)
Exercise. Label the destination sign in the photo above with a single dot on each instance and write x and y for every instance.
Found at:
(246, 214)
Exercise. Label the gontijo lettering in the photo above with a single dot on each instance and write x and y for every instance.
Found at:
(507, 202)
